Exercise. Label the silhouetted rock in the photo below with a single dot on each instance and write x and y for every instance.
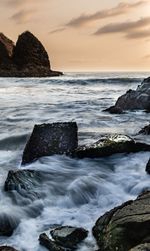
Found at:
(145, 130)
(124, 227)
(148, 167)
(7, 248)
(113, 110)
(68, 236)
(110, 144)
(138, 99)
(27, 59)
(50, 139)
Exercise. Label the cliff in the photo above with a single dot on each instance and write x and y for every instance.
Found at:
(28, 58)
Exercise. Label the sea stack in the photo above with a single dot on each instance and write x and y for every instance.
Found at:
(28, 58)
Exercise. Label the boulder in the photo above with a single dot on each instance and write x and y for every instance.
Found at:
(28, 58)
(113, 110)
(68, 236)
(125, 226)
(7, 248)
(25, 182)
(141, 247)
(49, 244)
(145, 130)
(148, 167)
(8, 223)
(49, 139)
(110, 144)
(138, 99)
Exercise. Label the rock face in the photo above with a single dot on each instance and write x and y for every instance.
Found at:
(142, 247)
(68, 236)
(109, 145)
(49, 139)
(145, 130)
(49, 244)
(27, 59)
(134, 99)
(125, 226)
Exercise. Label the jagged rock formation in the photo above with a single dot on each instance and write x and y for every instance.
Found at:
(138, 99)
(126, 226)
(28, 58)
(145, 130)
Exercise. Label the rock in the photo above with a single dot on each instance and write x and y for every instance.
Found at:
(7, 248)
(68, 236)
(8, 223)
(27, 59)
(49, 139)
(25, 182)
(145, 130)
(49, 244)
(114, 110)
(124, 227)
(108, 145)
(142, 247)
(148, 167)
(138, 99)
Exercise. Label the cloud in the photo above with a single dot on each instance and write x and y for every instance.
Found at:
(121, 8)
(57, 30)
(132, 30)
(22, 16)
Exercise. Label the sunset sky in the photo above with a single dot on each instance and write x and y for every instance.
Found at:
(84, 35)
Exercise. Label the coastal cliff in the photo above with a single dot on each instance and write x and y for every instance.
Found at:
(28, 58)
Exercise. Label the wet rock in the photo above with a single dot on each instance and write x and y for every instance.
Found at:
(148, 167)
(50, 139)
(25, 182)
(109, 145)
(114, 110)
(68, 236)
(142, 247)
(138, 99)
(27, 59)
(124, 227)
(8, 223)
(49, 244)
(7, 248)
(145, 130)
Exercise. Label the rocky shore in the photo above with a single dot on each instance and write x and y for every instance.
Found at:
(124, 228)
(28, 58)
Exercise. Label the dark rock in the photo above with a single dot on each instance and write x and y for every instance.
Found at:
(145, 130)
(7, 248)
(138, 99)
(124, 227)
(109, 145)
(25, 182)
(141, 247)
(27, 59)
(49, 244)
(148, 167)
(68, 236)
(8, 223)
(114, 110)
(49, 139)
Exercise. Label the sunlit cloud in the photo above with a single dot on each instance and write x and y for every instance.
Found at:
(121, 8)
(132, 29)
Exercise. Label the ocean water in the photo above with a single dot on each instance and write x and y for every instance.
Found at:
(76, 192)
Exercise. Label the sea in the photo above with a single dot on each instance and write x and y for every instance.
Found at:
(77, 192)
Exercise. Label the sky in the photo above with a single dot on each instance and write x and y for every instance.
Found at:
(84, 35)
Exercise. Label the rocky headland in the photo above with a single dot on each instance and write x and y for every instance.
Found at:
(28, 58)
